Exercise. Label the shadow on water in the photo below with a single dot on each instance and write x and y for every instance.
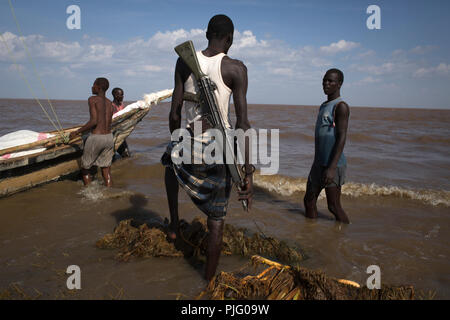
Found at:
(140, 215)
(261, 194)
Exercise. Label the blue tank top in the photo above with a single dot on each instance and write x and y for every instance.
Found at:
(325, 134)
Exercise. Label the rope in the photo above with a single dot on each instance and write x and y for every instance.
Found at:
(26, 81)
(266, 237)
(32, 62)
(34, 69)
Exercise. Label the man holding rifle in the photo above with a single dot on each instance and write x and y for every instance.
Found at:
(209, 185)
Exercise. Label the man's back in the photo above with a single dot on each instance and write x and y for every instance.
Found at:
(211, 66)
(234, 76)
(215, 195)
(103, 109)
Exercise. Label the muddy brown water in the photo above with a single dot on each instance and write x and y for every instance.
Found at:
(397, 198)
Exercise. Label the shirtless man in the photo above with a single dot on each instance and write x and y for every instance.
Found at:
(99, 146)
(329, 166)
(230, 77)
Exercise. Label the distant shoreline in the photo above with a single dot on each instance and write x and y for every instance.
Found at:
(260, 104)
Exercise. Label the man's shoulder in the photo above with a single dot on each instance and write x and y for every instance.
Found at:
(94, 99)
(342, 107)
(234, 64)
(342, 104)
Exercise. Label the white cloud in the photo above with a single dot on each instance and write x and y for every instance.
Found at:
(16, 68)
(146, 70)
(148, 63)
(8, 36)
(37, 48)
(62, 72)
(166, 41)
(422, 49)
(155, 54)
(441, 69)
(144, 64)
(398, 52)
(368, 53)
(281, 71)
(385, 68)
(247, 40)
(150, 67)
(320, 63)
(57, 50)
(367, 80)
(340, 46)
(97, 53)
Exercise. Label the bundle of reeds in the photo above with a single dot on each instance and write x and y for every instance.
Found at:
(283, 282)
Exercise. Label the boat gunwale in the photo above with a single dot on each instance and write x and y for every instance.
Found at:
(31, 159)
(115, 121)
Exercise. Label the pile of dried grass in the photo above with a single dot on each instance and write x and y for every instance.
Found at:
(144, 241)
(281, 282)
(236, 241)
(16, 292)
(139, 241)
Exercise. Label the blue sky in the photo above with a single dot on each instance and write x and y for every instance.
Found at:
(286, 45)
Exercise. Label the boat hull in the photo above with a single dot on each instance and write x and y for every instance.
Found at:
(22, 173)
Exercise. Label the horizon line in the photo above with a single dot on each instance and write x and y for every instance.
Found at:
(266, 104)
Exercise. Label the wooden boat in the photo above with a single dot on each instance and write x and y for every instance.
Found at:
(60, 160)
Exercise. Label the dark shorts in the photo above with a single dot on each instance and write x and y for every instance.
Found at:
(315, 178)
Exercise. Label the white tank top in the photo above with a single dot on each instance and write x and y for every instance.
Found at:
(211, 66)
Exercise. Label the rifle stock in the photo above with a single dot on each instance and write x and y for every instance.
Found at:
(187, 53)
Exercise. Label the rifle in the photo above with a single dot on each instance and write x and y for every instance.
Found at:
(209, 106)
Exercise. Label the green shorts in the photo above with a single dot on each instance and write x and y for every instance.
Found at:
(315, 178)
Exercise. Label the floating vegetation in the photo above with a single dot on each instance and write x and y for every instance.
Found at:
(236, 241)
(139, 241)
(283, 282)
(16, 292)
(145, 241)
(273, 281)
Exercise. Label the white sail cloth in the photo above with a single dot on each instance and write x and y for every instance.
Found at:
(21, 137)
(149, 99)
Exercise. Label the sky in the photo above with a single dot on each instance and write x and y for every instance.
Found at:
(287, 47)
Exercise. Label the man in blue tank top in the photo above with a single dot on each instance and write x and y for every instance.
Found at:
(330, 164)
